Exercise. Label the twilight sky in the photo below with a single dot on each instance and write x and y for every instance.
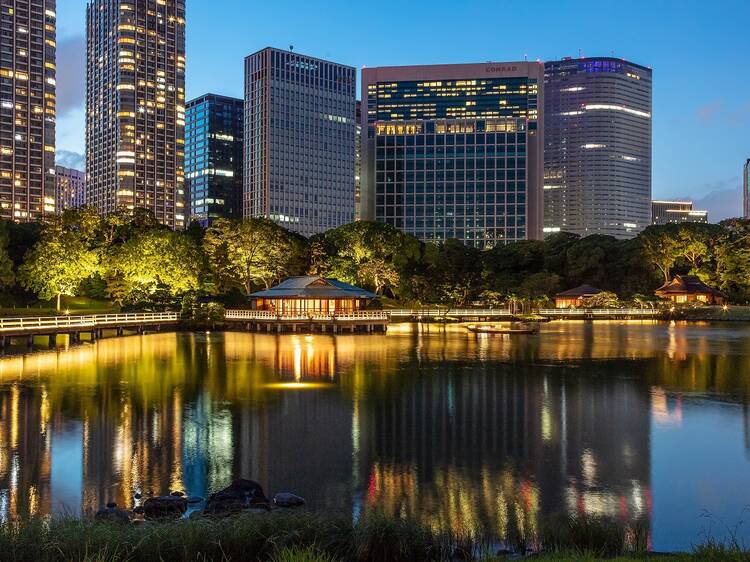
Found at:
(700, 53)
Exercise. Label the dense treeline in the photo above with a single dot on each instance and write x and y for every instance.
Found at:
(132, 260)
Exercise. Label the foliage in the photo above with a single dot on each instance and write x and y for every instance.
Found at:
(602, 300)
(7, 275)
(249, 253)
(58, 264)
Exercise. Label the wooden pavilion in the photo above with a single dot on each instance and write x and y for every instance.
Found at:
(689, 288)
(312, 295)
(575, 297)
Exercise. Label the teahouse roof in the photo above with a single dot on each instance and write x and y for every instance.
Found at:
(578, 292)
(313, 287)
(687, 285)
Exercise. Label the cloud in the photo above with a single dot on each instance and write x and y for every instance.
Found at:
(71, 74)
(709, 111)
(723, 199)
(70, 159)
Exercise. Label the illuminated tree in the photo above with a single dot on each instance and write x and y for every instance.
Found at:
(154, 260)
(660, 248)
(58, 264)
(7, 277)
(248, 253)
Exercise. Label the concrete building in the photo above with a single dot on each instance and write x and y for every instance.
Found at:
(455, 151)
(358, 163)
(70, 188)
(598, 130)
(299, 141)
(27, 109)
(746, 189)
(135, 107)
(676, 212)
(213, 158)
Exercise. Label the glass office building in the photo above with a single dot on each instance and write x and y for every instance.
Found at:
(27, 109)
(135, 107)
(676, 212)
(746, 189)
(213, 158)
(454, 151)
(299, 141)
(597, 151)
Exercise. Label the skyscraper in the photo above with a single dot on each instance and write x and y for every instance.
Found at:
(135, 107)
(213, 158)
(27, 109)
(676, 212)
(70, 188)
(455, 151)
(746, 189)
(597, 151)
(358, 163)
(299, 141)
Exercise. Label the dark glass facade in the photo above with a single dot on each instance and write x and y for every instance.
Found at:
(27, 109)
(455, 151)
(746, 189)
(598, 128)
(213, 158)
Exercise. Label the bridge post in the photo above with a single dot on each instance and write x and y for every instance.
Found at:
(52, 340)
(119, 332)
(2, 342)
(29, 341)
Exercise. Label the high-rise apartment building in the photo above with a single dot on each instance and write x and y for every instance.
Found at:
(676, 212)
(746, 189)
(213, 157)
(299, 141)
(358, 163)
(27, 109)
(597, 136)
(70, 188)
(455, 151)
(135, 107)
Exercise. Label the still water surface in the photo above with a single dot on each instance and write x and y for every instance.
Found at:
(456, 429)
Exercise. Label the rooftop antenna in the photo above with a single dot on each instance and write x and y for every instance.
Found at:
(526, 57)
(580, 53)
(291, 48)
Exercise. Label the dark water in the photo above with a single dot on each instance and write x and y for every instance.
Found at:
(456, 429)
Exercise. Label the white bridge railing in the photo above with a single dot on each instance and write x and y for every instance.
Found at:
(37, 324)
(600, 312)
(269, 316)
(453, 312)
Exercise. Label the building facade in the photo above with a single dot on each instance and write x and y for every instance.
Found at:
(454, 151)
(27, 109)
(676, 212)
(358, 163)
(746, 189)
(135, 107)
(299, 141)
(70, 188)
(213, 158)
(598, 131)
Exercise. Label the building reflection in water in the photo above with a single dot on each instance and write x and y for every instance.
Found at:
(460, 431)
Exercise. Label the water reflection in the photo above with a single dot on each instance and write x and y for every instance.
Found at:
(458, 430)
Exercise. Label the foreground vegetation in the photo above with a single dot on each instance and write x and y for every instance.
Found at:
(132, 261)
(301, 536)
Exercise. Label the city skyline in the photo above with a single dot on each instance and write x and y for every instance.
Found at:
(689, 114)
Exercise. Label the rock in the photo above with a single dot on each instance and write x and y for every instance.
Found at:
(113, 513)
(177, 494)
(137, 495)
(164, 507)
(241, 494)
(285, 499)
(195, 499)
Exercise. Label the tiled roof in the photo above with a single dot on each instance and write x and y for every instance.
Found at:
(312, 287)
(582, 291)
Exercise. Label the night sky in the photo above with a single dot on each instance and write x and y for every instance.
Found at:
(699, 52)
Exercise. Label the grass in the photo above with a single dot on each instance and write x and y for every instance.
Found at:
(306, 537)
(74, 305)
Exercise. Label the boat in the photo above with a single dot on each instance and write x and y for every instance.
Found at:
(518, 328)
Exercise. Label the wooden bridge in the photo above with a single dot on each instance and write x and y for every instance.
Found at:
(266, 321)
(441, 314)
(94, 325)
(601, 314)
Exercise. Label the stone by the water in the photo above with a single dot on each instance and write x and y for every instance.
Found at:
(177, 494)
(164, 507)
(113, 513)
(240, 495)
(286, 499)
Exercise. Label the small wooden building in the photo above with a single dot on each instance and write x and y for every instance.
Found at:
(312, 295)
(575, 297)
(689, 288)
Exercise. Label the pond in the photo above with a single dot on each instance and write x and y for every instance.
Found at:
(458, 430)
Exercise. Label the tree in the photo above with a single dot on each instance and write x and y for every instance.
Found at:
(660, 247)
(247, 253)
(154, 260)
(7, 277)
(57, 264)
(602, 300)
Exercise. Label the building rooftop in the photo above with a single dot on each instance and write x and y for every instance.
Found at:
(582, 291)
(313, 287)
(687, 284)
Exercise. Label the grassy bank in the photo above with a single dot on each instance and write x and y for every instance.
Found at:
(305, 537)
(713, 314)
